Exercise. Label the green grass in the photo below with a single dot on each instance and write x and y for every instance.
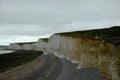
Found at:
(17, 58)
(45, 39)
(21, 44)
(108, 34)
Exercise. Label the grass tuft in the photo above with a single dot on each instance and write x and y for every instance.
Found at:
(45, 39)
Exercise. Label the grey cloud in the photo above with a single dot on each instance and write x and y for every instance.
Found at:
(57, 11)
(29, 18)
(24, 29)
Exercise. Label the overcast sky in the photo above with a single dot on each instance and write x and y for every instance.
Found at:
(28, 20)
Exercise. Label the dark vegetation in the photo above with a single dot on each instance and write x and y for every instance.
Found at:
(45, 39)
(17, 58)
(21, 44)
(108, 34)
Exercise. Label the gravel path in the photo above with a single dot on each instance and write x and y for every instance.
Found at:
(61, 69)
(49, 71)
(55, 68)
(69, 72)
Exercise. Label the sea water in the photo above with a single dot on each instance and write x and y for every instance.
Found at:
(5, 51)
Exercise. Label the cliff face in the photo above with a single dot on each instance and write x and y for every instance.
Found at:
(89, 53)
(86, 52)
(14, 46)
(39, 45)
(86, 49)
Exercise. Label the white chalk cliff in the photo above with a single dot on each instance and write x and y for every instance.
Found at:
(86, 52)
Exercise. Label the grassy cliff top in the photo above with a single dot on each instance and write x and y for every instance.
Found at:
(45, 39)
(108, 34)
(22, 43)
